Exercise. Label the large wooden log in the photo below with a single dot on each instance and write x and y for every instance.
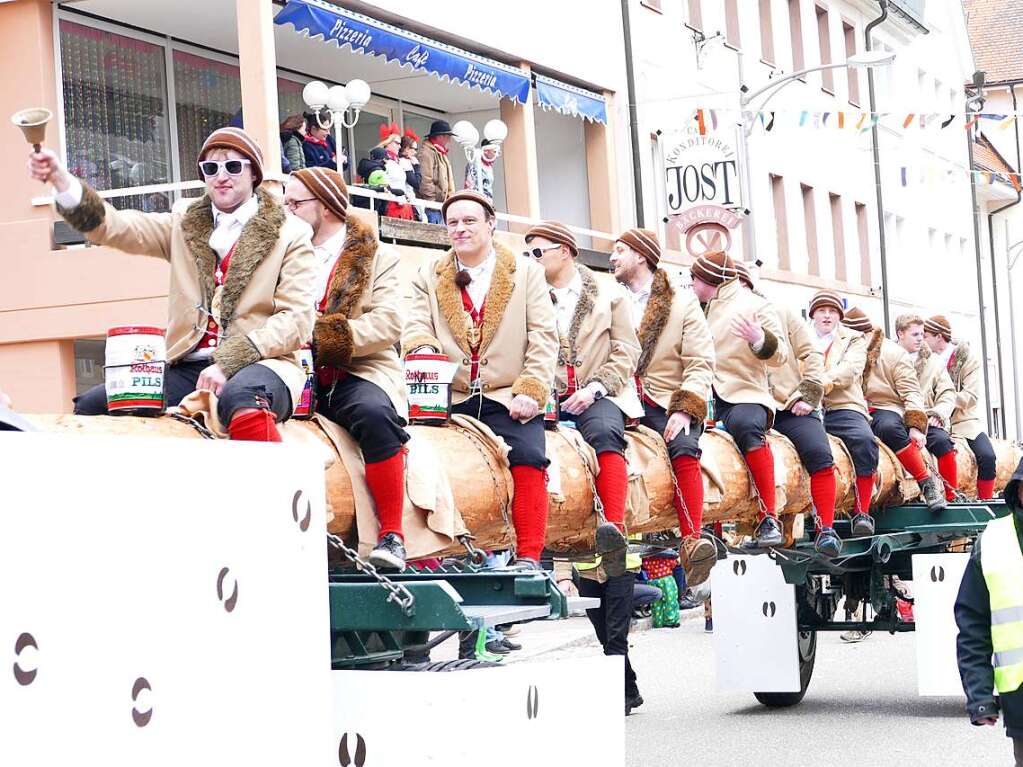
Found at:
(482, 487)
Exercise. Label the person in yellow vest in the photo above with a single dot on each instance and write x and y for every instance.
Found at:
(989, 613)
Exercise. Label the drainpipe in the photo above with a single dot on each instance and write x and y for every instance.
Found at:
(994, 275)
(630, 77)
(875, 145)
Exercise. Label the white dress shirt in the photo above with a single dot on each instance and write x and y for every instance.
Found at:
(639, 299)
(327, 255)
(70, 198)
(566, 299)
(227, 227)
(481, 276)
(946, 355)
(823, 342)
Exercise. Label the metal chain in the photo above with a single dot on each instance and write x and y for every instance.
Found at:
(396, 592)
(674, 484)
(476, 556)
(598, 505)
(206, 433)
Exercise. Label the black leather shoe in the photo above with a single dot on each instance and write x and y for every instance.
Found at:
(688, 602)
(611, 547)
(497, 647)
(828, 544)
(631, 702)
(934, 495)
(389, 553)
(862, 525)
(513, 646)
(768, 533)
(524, 563)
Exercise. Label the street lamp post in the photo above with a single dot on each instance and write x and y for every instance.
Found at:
(331, 105)
(746, 97)
(467, 136)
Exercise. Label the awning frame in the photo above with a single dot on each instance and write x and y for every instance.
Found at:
(554, 95)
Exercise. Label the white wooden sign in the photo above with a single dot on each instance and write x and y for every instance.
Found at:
(163, 602)
(936, 579)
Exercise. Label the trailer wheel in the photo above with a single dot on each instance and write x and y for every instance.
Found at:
(462, 664)
(807, 648)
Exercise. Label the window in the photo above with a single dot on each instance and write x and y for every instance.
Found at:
(948, 248)
(824, 39)
(813, 263)
(90, 356)
(849, 32)
(781, 220)
(838, 235)
(766, 32)
(695, 14)
(653, 5)
(863, 236)
(796, 33)
(731, 23)
(115, 112)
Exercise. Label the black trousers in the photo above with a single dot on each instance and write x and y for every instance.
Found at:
(985, 455)
(527, 440)
(612, 619)
(939, 442)
(602, 425)
(656, 418)
(853, 429)
(365, 411)
(747, 423)
(807, 435)
(890, 429)
(254, 386)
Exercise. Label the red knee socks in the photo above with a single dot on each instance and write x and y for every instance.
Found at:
(386, 480)
(985, 489)
(761, 466)
(529, 510)
(822, 491)
(257, 426)
(913, 462)
(864, 493)
(949, 471)
(612, 486)
(690, 485)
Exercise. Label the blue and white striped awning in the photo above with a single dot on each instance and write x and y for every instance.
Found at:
(362, 34)
(569, 100)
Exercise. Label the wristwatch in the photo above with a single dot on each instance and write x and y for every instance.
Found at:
(597, 394)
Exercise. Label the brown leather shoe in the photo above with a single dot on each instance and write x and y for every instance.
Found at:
(697, 556)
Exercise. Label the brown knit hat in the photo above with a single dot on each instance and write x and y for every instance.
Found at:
(239, 141)
(554, 231)
(827, 298)
(940, 326)
(744, 276)
(327, 186)
(855, 319)
(714, 268)
(644, 242)
(468, 194)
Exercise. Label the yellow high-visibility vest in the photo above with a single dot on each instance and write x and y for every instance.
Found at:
(1002, 562)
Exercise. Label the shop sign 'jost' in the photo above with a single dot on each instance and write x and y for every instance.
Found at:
(701, 168)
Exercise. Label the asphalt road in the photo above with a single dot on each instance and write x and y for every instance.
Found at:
(861, 710)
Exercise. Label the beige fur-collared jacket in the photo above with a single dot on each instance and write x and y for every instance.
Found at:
(964, 370)
(843, 371)
(890, 382)
(936, 386)
(802, 375)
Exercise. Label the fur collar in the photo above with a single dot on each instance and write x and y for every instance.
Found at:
(959, 359)
(354, 269)
(583, 307)
(923, 359)
(257, 240)
(449, 298)
(875, 339)
(655, 318)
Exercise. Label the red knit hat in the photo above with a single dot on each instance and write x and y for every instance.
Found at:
(241, 142)
(327, 186)
(714, 268)
(644, 242)
(556, 232)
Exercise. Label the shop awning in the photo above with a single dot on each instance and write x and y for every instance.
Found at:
(569, 100)
(362, 34)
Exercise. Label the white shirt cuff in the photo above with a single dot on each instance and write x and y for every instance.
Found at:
(71, 197)
(758, 346)
(597, 386)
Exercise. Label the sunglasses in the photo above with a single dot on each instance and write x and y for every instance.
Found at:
(212, 168)
(537, 253)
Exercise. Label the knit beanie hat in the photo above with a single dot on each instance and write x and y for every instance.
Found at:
(468, 194)
(241, 142)
(714, 268)
(644, 242)
(855, 319)
(827, 298)
(940, 326)
(556, 232)
(327, 186)
(744, 276)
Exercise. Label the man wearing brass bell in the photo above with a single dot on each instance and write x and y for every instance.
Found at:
(240, 303)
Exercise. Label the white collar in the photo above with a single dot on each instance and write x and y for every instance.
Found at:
(333, 245)
(241, 214)
(946, 355)
(482, 267)
(575, 286)
(644, 291)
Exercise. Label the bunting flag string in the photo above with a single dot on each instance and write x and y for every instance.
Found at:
(708, 119)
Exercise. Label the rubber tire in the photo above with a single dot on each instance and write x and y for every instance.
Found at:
(807, 649)
(462, 664)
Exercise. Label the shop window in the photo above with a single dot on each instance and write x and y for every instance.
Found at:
(209, 96)
(89, 360)
(115, 112)
(366, 136)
